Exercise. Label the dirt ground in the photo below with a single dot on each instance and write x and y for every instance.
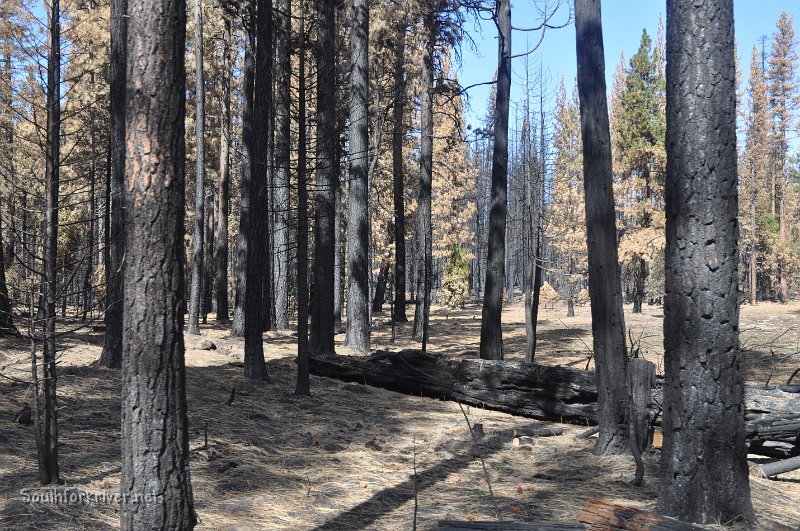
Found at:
(352, 456)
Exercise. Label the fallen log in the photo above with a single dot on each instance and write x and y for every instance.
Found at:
(531, 390)
(775, 468)
(599, 514)
(458, 525)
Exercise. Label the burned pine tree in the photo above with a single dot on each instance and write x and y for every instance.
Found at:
(155, 431)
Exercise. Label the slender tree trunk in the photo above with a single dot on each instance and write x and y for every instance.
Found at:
(302, 388)
(258, 250)
(6, 318)
(753, 238)
(783, 244)
(208, 261)
(605, 291)
(90, 233)
(424, 230)
(491, 331)
(223, 196)
(198, 238)
(322, 319)
(358, 223)
(282, 164)
(48, 464)
(246, 185)
(155, 484)
(380, 288)
(638, 285)
(111, 356)
(398, 188)
(704, 473)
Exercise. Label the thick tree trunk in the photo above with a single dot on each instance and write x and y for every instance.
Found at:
(243, 239)
(198, 238)
(358, 223)
(155, 484)
(704, 475)
(111, 356)
(322, 319)
(398, 181)
(303, 386)
(282, 163)
(424, 229)
(223, 195)
(258, 264)
(605, 292)
(491, 329)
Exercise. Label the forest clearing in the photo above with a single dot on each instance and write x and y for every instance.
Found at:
(318, 264)
(344, 458)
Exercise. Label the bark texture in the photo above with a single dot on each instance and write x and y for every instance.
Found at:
(198, 239)
(398, 196)
(281, 205)
(155, 483)
(303, 384)
(424, 226)
(223, 196)
(704, 475)
(491, 330)
(605, 291)
(111, 356)
(322, 318)
(358, 223)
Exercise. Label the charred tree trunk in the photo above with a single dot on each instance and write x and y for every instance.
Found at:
(282, 163)
(704, 367)
(358, 222)
(48, 461)
(243, 239)
(155, 484)
(491, 329)
(223, 195)
(198, 238)
(605, 292)
(258, 267)
(380, 289)
(115, 209)
(322, 319)
(6, 319)
(302, 388)
(424, 229)
(208, 262)
(398, 196)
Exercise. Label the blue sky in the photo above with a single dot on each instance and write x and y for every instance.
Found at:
(623, 21)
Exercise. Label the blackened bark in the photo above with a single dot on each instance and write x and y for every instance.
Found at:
(532, 304)
(111, 356)
(92, 214)
(639, 274)
(605, 291)
(48, 461)
(246, 184)
(322, 319)
(302, 388)
(6, 319)
(257, 267)
(198, 238)
(208, 252)
(424, 230)
(398, 137)
(282, 163)
(358, 223)
(155, 484)
(704, 473)
(491, 330)
(380, 289)
(223, 195)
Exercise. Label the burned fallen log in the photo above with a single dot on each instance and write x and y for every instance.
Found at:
(775, 468)
(531, 390)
